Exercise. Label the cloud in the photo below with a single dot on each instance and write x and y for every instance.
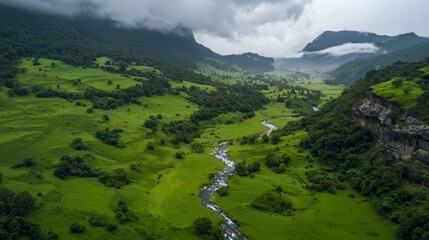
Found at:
(277, 28)
(225, 18)
(348, 48)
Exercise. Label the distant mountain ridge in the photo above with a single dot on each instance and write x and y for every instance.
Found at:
(176, 47)
(331, 39)
(333, 49)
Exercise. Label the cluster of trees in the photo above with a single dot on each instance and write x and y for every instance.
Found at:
(348, 149)
(110, 137)
(277, 164)
(74, 166)
(243, 169)
(123, 213)
(323, 181)
(117, 179)
(98, 221)
(13, 212)
(182, 131)
(152, 122)
(205, 229)
(234, 98)
(28, 162)
(273, 202)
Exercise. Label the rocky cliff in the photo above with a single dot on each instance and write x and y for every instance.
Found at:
(406, 136)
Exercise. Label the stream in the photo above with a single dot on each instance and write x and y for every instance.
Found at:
(229, 227)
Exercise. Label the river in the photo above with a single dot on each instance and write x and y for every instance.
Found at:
(229, 227)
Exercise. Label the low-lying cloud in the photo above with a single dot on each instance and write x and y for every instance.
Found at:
(348, 48)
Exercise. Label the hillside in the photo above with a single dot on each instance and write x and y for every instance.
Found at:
(373, 137)
(177, 47)
(350, 72)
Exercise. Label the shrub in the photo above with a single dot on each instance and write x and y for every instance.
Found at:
(28, 162)
(78, 144)
(202, 226)
(273, 202)
(77, 228)
(111, 227)
(98, 221)
(180, 155)
(223, 191)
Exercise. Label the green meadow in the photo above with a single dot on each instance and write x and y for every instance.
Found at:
(164, 191)
(406, 94)
(317, 215)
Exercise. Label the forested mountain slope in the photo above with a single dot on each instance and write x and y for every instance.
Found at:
(366, 156)
(79, 35)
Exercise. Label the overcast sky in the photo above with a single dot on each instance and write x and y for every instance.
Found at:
(275, 28)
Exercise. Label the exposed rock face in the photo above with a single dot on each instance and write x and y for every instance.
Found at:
(408, 140)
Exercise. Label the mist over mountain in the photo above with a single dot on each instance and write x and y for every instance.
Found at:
(176, 46)
(332, 49)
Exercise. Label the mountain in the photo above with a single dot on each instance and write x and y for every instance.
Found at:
(331, 39)
(350, 72)
(177, 46)
(332, 49)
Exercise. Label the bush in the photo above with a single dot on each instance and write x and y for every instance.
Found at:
(223, 191)
(77, 228)
(98, 221)
(77, 144)
(203, 226)
(150, 146)
(180, 155)
(273, 202)
(28, 162)
(111, 227)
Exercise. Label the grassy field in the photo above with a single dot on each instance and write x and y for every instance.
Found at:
(164, 192)
(318, 83)
(43, 130)
(399, 94)
(54, 74)
(318, 215)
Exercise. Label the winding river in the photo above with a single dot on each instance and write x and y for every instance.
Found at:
(230, 228)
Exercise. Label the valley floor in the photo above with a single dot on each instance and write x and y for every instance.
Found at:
(164, 192)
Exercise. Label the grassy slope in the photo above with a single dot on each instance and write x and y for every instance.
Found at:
(397, 94)
(43, 129)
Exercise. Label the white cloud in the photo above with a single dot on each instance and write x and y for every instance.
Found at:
(276, 28)
(348, 48)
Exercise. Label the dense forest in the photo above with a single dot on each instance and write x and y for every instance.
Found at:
(344, 147)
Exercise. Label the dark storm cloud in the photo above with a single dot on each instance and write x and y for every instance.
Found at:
(215, 17)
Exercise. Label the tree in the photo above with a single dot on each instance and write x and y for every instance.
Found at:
(77, 144)
(106, 118)
(265, 138)
(407, 90)
(397, 82)
(77, 228)
(203, 226)
(180, 155)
